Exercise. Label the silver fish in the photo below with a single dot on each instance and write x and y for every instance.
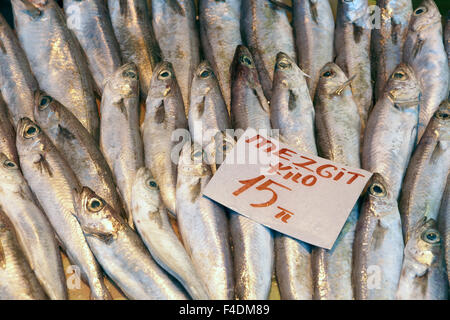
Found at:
(89, 20)
(120, 251)
(314, 37)
(266, 30)
(56, 58)
(391, 132)
(7, 133)
(444, 224)
(120, 138)
(54, 184)
(424, 52)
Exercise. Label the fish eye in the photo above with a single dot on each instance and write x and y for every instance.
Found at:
(205, 73)
(431, 236)
(399, 75)
(164, 74)
(328, 74)
(196, 155)
(151, 183)
(443, 115)
(246, 60)
(95, 205)
(129, 74)
(420, 10)
(44, 102)
(283, 64)
(9, 164)
(31, 131)
(377, 190)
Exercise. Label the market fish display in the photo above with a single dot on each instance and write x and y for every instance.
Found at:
(7, 134)
(177, 35)
(426, 177)
(54, 184)
(424, 52)
(56, 58)
(314, 37)
(89, 20)
(34, 233)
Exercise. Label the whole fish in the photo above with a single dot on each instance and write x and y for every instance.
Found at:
(423, 272)
(253, 247)
(89, 20)
(378, 245)
(120, 251)
(388, 40)
(208, 115)
(314, 37)
(77, 147)
(266, 30)
(220, 35)
(56, 58)
(444, 224)
(424, 52)
(292, 113)
(338, 126)
(352, 44)
(17, 280)
(120, 138)
(176, 31)
(153, 224)
(391, 132)
(7, 133)
(54, 184)
(203, 225)
(163, 116)
(17, 83)
(133, 29)
(426, 176)
(34, 232)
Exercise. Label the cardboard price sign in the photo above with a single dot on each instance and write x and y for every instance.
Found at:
(304, 196)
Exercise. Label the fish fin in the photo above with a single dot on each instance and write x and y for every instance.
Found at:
(2, 47)
(281, 5)
(121, 106)
(395, 31)
(313, 11)
(123, 7)
(417, 47)
(357, 33)
(200, 108)
(292, 99)
(103, 236)
(43, 166)
(65, 132)
(160, 113)
(257, 91)
(439, 149)
(196, 190)
(176, 7)
(2, 257)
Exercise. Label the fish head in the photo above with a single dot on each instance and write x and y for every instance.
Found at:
(9, 170)
(442, 114)
(354, 9)
(286, 70)
(31, 8)
(124, 83)
(333, 81)
(378, 195)
(223, 143)
(30, 139)
(192, 165)
(204, 79)
(163, 82)
(402, 87)
(147, 186)
(243, 65)
(425, 15)
(46, 110)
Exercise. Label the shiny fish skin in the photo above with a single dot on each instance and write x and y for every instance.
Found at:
(89, 20)
(378, 245)
(208, 115)
(121, 252)
(56, 59)
(444, 224)
(424, 52)
(120, 138)
(447, 39)
(17, 280)
(133, 29)
(17, 83)
(54, 184)
(77, 147)
(163, 116)
(176, 31)
(352, 44)
(423, 272)
(391, 132)
(203, 225)
(34, 232)
(426, 176)
(266, 30)
(388, 40)
(7, 134)
(153, 224)
(292, 113)
(338, 127)
(220, 35)
(314, 37)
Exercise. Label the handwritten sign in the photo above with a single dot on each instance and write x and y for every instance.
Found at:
(301, 195)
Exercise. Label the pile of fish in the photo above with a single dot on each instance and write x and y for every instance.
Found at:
(83, 170)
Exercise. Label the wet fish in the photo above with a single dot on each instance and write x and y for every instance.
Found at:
(378, 245)
(89, 20)
(426, 176)
(423, 272)
(153, 224)
(424, 52)
(54, 184)
(352, 44)
(444, 224)
(266, 30)
(56, 58)
(314, 37)
(338, 126)
(133, 29)
(163, 116)
(220, 35)
(17, 83)
(7, 133)
(388, 40)
(447, 38)
(17, 280)
(77, 147)
(120, 251)
(203, 225)
(208, 115)
(391, 132)
(120, 138)
(176, 31)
